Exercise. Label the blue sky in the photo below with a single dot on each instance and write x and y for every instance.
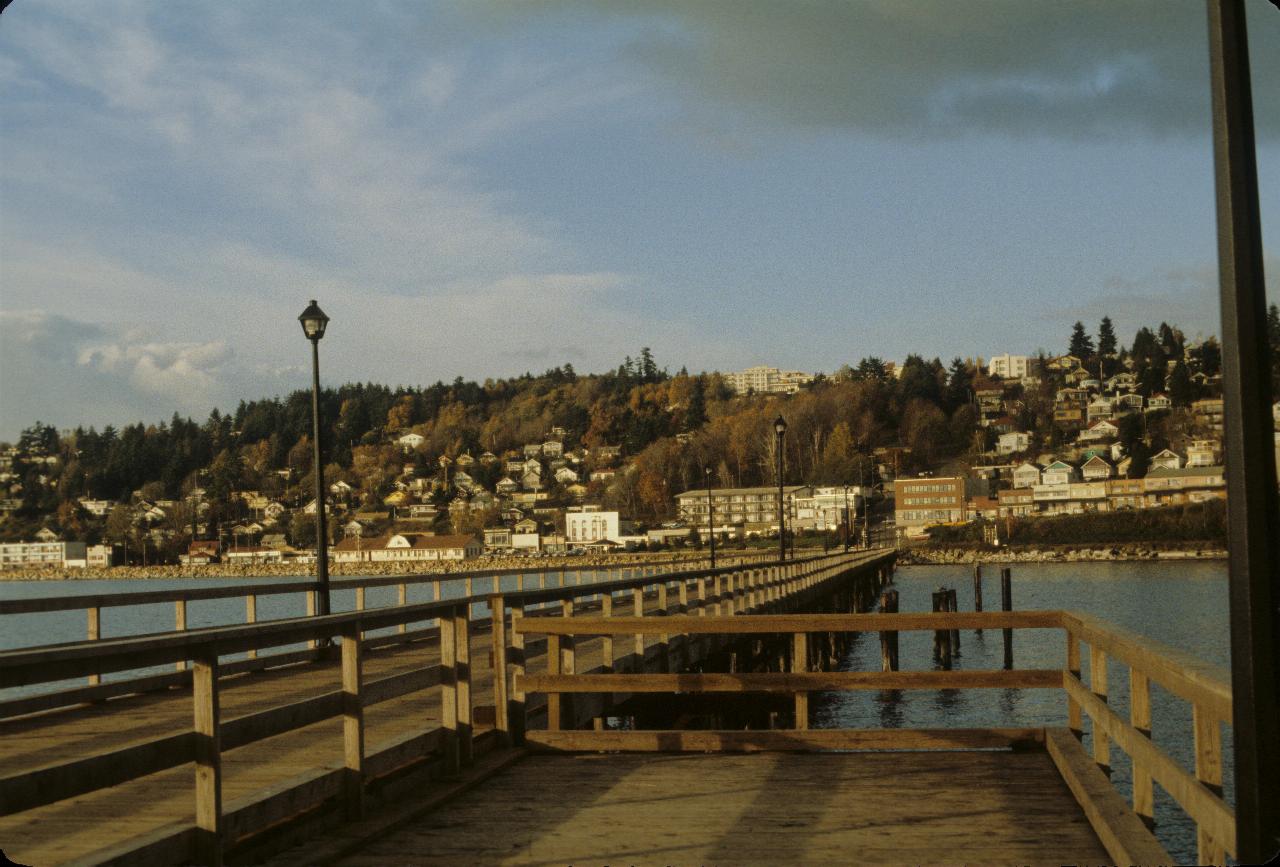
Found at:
(480, 189)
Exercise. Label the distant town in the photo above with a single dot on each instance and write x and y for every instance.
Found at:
(637, 459)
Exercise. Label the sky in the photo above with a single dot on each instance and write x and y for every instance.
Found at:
(479, 188)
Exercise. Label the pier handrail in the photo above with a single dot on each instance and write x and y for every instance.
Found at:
(1204, 686)
(453, 742)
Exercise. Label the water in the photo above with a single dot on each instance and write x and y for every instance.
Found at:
(1182, 605)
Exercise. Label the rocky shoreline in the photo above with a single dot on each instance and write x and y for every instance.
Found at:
(945, 556)
(298, 570)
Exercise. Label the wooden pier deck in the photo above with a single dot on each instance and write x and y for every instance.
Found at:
(970, 807)
(486, 741)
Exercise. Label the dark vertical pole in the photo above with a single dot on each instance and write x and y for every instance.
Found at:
(1006, 604)
(782, 518)
(977, 589)
(711, 521)
(1252, 502)
(889, 639)
(941, 637)
(953, 606)
(322, 534)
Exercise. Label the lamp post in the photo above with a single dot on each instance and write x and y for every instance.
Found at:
(711, 522)
(313, 325)
(780, 428)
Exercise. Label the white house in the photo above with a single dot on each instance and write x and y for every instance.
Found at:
(1059, 473)
(1100, 408)
(1166, 460)
(1203, 453)
(566, 476)
(552, 448)
(406, 548)
(1026, 475)
(1011, 366)
(1099, 431)
(411, 441)
(1096, 469)
(1014, 441)
(1159, 401)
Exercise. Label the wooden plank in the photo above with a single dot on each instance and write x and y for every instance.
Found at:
(98, 692)
(1140, 719)
(1121, 831)
(56, 782)
(251, 616)
(1208, 751)
(554, 669)
(180, 625)
(1204, 807)
(352, 723)
(208, 757)
(1075, 721)
(462, 623)
(449, 692)
(783, 623)
(783, 741)
(498, 639)
(280, 801)
(1186, 676)
(93, 630)
(518, 720)
(799, 665)
(1098, 686)
(250, 728)
(783, 682)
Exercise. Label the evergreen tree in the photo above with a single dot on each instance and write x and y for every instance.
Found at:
(696, 416)
(1106, 337)
(1181, 389)
(1081, 344)
(959, 381)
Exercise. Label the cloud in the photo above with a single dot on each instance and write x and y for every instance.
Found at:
(1078, 70)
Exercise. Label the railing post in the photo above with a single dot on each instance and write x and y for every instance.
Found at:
(1098, 686)
(1075, 716)
(251, 616)
(449, 691)
(498, 634)
(800, 663)
(554, 667)
(518, 721)
(1140, 719)
(352, 722)
(569, 663)
(180, 624)
(94, 632)
(664, 647)
(462, 623)
(204, 681)
(606, 641)
(637, 609)
(1208, 747)
(311, 612)
(402, 599)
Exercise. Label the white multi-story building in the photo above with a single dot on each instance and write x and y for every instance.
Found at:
(756, 508)
(590, 526)
(15, 555)
(768, 380)
(826, 507)
(1012, 366)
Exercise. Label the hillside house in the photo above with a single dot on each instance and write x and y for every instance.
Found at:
(1099, 431)
(1159, 401)
(1166, 460)
(1096, 469)
(1059, 473)
(1013, 442)
(411, 441)
(1026, 475)
(407, 548)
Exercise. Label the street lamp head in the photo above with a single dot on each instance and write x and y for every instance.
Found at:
(706, 471)
(313, 321)
(780, 425)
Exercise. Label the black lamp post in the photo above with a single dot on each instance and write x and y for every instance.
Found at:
(313, 325)
(711, 522)
(780, 428)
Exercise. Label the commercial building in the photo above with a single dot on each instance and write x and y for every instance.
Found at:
(1012, 366)
(16, 555)
(581, 527)
(921, 502)
(406, 548)
(756, 509)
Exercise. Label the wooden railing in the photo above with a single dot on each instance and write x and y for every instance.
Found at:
(1206, 688)
(477, 585)
(725, 590)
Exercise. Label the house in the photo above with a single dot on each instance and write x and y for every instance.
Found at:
(1123, 381)
(420, 510)
(411, 441)
(1096, 469)
(1122, 468)
(1158, 401)
(531, 481)
(1099, 431)
(487, 458)
(1124, 493)
(533, 450)
(584, 526)
(606, 453)
(511, 515)
(1166, 460)
(565, 476)
(1063, 363)
(342, 490)
(506, 485)
(44, 534)
(1025, 475)
(1012, 442)
(310, 508)
(1208, 412)
(1203, 453)
(532, 465)
(1187, 485)
(514, 466)
(497, 539)
(274, 510)
(201, 551)
(395, 498)
(577, 490)
(465, 460)
(1015, 502)
(1127, 403)
(1059, 473)
(552, 449)
(253, 554)
(985, 508)
(352, 528)
(525, 525)
(275, 540)
(1100, 408)
(1077, 377)
(407, 548)
(97, 508)
(602, 475)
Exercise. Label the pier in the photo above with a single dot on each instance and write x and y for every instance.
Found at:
(658, 717)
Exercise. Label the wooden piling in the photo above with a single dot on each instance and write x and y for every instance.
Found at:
(889, 640)
(941, 637)
(977, 589)
(1006, 604)
(954, 607)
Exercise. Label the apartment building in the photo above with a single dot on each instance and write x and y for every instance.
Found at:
(1013, 366)
(921, 502)
(15, 555)
(755, 508)
(768, 380)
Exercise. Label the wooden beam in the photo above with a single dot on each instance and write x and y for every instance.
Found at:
(1208, 749)
(781, 682)
(1098, 686)
(1119, 829)
(466, 733)
(208, 756)
(799, 666)
(783, 623)
(1140, 719)
(498, 643)
(813, 740)
(352, 723)
(449, 691)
